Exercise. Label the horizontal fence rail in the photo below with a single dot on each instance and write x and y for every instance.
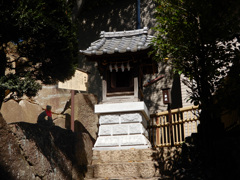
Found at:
(184, 123)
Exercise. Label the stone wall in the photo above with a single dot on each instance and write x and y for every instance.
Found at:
(12, 164)
(32, 151)
(28, 149)
(28, 110)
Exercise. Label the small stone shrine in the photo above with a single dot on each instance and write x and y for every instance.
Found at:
(122, 59)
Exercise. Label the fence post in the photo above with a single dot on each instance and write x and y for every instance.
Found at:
(173, 125)
(170, 124)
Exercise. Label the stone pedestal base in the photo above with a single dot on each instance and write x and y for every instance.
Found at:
(123, 164)
(122, 126)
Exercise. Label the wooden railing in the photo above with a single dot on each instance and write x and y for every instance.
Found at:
(184, 123)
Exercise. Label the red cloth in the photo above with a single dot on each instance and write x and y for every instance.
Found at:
(49, 113)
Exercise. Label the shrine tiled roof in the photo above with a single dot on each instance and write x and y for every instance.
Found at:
(119, 42)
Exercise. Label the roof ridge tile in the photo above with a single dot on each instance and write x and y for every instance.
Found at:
(124, 33)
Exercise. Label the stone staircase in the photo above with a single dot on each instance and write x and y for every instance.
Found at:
(128, 164)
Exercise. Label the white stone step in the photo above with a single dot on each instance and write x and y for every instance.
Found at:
(122, 129)
(121, 142)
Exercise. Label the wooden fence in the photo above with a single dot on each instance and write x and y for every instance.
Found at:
(184, 123)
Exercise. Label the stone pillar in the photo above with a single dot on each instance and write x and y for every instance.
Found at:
(122, 126)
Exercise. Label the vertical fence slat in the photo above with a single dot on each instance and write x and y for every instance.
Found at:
(166, 130)
(162, 129)
(180, 131)
(177, 125)
(157, 130)
(184, 122)
(173, 130)
(191, 122)
(184, 126)
(180, 127)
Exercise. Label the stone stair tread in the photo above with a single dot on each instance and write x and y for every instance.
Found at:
(131, 164)
(123, 162)
(130, 178)
(122, 155)
(125, 169)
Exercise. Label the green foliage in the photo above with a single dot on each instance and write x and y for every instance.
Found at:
(228, 94)
(20, 85)
(197, 38)
(44, 39)
(89, 5)
(200, 39)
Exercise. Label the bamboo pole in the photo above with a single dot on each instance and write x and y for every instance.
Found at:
(185, 118)
(172, 125)
(162, 129)
(158, 130)
(166, 131)
(177, 127)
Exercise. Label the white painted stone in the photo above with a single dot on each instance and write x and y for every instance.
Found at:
(124, 129)
(122, 118)
(109, 119)
(122, 126)
(125, 140)
(123, 107)
(136, 128)
(146, 134)
(105, 130)
(121, 147)
(131, 117)
(103, 141)
(120, 129)
(133, 140)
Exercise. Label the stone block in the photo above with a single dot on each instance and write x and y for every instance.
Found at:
(146, 169)
(129, 155)
(115, 170)
(104, 141)
(122, 141)
(136, 128)
(12, 112)
(61, 122)
(125, 107)
(125, 169)
(133, 140)
(116, 129)
(109, 119)
(85, 119)
(105, 130)
(120, 129)
(83, 149)
(51, 95)
(32, 111)
(22, 111)
(133, 118)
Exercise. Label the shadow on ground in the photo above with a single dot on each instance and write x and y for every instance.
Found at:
(188, 162)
